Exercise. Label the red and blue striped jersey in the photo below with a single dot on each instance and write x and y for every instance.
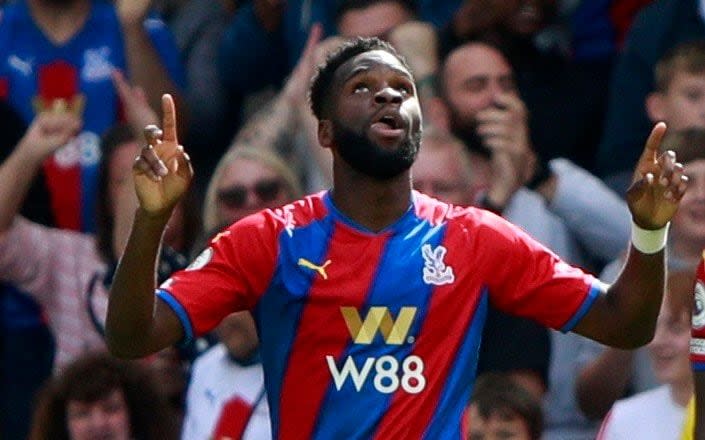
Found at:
(373, 335)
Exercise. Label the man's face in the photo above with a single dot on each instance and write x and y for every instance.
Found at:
(440, 172)
(496, 427)
(682, 105)
(376, 117)
(376, 20)
(474, 75)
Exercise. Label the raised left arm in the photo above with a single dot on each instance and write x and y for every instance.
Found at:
(624, 316)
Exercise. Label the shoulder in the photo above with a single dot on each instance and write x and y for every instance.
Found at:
(437, 212)
(299, 213)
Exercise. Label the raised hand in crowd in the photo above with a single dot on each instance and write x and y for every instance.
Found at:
(137, 110)
(503, 130)
(418, 43)
(49, 131)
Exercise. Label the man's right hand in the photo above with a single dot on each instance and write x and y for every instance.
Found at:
(162, 171)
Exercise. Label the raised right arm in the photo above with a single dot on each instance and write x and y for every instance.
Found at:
(138, 323)
(48, 132)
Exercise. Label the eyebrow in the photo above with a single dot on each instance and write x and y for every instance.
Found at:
(364, 69)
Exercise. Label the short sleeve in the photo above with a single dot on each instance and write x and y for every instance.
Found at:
(230, 275)
(526, 279)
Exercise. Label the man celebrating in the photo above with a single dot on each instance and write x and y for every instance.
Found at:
(370, 298)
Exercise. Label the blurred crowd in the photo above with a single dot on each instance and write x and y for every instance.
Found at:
(534, 109)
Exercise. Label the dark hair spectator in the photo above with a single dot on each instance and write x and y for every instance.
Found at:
(92, 380)
(496, 395)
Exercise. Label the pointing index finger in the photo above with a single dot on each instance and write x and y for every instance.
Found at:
(169, 119)
(653, 143)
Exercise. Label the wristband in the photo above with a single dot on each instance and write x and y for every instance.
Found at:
(648, 241)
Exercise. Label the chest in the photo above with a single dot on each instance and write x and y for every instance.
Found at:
(35, 72)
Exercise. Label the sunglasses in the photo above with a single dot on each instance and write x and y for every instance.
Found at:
(266, 190)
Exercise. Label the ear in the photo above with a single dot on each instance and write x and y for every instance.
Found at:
(325, 133)
(655, 106)
(436, 113)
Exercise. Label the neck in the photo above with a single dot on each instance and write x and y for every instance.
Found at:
(368, 202)
(59, 22)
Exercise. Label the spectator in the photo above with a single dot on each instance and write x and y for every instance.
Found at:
(26, 343)
(659, 414)
(481, 103)
(226, 392)
(565, 97)
(68, 272)
(98, 396)
(246, 180)
(658, 28)
(60, 55)
(266, 39)
(678, 97)
(198, 28)
(500, 409)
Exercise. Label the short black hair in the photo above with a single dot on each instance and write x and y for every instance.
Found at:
(323, 79)
(348, 5)
(496, 394)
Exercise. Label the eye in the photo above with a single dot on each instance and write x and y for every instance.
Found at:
(405, 89)
(360, 88)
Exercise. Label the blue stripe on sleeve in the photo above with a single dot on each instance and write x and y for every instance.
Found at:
(592, 295)
(180, 313)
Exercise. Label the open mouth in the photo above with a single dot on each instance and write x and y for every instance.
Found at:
(389, 125)
(389, 121)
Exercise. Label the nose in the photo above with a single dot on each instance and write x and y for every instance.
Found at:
(388, 95)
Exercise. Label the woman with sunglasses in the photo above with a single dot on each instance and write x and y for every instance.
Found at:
(226, 398)
(245, 181)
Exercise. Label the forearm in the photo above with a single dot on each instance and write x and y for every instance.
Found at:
(603, 381)
(145, 66)
(16, 175)
(635, 299)
(130, 319)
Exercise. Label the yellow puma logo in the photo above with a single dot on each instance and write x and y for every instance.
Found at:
(320, 269)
